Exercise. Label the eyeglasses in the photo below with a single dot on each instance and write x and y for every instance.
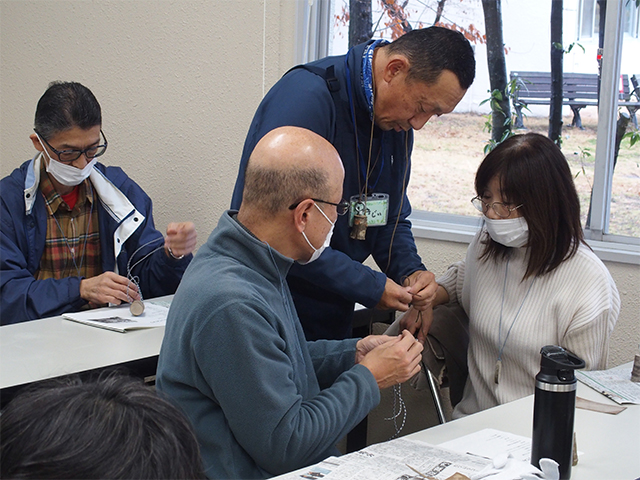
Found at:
(501, 209)
(68, 156)
(341, 208)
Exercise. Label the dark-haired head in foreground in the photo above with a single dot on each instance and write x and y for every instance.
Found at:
(115, 427)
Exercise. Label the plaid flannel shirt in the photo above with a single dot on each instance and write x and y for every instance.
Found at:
(72, 245)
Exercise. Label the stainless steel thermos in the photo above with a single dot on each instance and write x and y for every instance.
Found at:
(554, 408)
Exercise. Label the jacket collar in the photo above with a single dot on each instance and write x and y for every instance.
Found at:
(231, 238)
(118, 206)
(31, 183)
(116, 203)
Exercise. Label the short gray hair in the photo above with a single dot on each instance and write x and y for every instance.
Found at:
(272, 190)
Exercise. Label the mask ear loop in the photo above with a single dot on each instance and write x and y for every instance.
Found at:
(136, 307)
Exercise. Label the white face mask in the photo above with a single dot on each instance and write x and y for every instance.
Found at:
(510, 232)
(66, 174)
(318, 251)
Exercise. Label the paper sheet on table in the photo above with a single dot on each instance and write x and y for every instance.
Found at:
(120, 319)
(614, 383)
(392, 460)
(489, 442)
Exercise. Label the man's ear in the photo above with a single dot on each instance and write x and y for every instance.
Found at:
(36, 143)
(301, 214)
(396, 65)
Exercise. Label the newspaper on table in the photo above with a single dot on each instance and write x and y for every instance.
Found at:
(490, 442)
(614, 383)
(399, 459)
(120, 319)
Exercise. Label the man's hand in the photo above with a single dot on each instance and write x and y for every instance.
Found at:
(394, 361)
(108, 287)
(394, 297)
(417, 321)
(181, 238)
(367, 344)
(420, 321)
(422, 287)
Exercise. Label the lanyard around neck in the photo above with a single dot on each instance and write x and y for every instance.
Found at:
(513, 322)
(363, 165)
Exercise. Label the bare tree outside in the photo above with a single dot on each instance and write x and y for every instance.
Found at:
(359, 22)
(557, 53)
(500, 101)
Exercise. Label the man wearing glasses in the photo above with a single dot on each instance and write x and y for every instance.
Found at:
(74, 233)
(262, 399)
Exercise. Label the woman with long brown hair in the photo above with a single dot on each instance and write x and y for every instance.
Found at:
(528, 279)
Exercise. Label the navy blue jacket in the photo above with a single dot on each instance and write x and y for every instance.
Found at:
(325, 291)
(23, 230)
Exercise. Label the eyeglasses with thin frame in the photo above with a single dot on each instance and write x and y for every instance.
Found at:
(68, 156)
(501, 209)
(341, 208)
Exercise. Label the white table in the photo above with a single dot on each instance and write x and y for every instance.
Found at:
(52, 347)
(610, 444)
(48, 348)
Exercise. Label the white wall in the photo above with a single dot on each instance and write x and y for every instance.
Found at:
(179, 82)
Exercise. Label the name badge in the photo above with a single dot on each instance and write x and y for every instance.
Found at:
(374, 206)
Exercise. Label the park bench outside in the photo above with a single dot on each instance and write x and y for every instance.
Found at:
(579, 90)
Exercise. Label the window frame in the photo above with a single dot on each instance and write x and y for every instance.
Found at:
(589, 22)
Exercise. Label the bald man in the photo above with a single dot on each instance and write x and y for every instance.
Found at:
(262, 399)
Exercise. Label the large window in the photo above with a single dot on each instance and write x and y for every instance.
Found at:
(448, 150)
(590, 18)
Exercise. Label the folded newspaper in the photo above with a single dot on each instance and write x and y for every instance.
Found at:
(397, 459)
(614, 383)
(120, 319)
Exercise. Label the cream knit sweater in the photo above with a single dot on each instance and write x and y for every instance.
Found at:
(575, 306)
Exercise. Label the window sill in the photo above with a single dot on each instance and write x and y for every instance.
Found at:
(462, 229)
